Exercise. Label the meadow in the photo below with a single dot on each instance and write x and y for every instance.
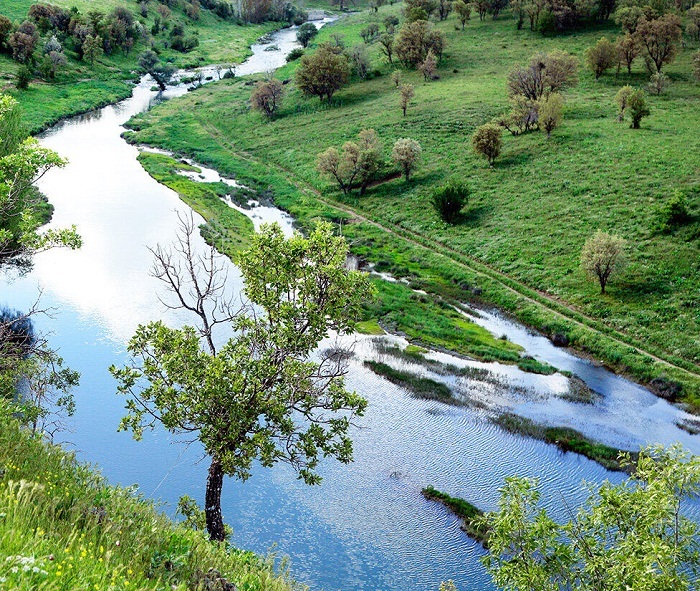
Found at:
(517, 243)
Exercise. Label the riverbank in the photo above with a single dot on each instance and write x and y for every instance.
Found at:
(62, 527)
(472, 517)
(642, 328)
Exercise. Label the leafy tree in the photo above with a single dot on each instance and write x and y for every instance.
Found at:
(386, 44)
(627, 50)
(24, 77)
(464, 12)
(601, 57)
(658, 83)
(360, 60)
(411, 45)
(631, 102)
(546, 73)
(495, 7)
(396, 78)
(444, 7)
(92, 48)
(161, 73)
(449, 200)
(390, 23)
(406, 153)
(550, 112)
(407, 93)
(258, 397)
(523, 116)
(370, 32)
(631, 535)
(306, 33)
(429, 66)
(267, 96)
(487, 142)
(603, 256)
(23, 43)
(659, 39)
(323, 73)
(5, 30)
(356, 165)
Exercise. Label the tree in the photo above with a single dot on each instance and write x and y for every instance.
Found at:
(322, 73)
(360, 60)
(22, 45)
(258, 397)
(627, 50)
(386, 44)
(449, 200)
(429, 66)
(550, 112)
(370, 32)
(464, 12)
(410, 45)
(390, 22)
(631, 101)
(631, 535)
(161, 73)
(659, 38)
(267, 96)
(5, 30)
(487, 142)
(92, 48)
(546, 73)
(601, 57)
(356, 165)
(444, 7)
(658, 83)
(406, 153)
(306, 33)
(602, 256)
(396, 78)
(407, 93)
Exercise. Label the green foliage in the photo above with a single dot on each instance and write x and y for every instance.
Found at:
(406, 153)
(626, 536)
(602, 256)
(674, 213)
(471, 516)
(418, 386)
(295, 54)
(323, 73)
(449, 200)
(306, 33)
(550, 112)
(356, 165)
(601, 57)
(24, 77)
(487, 142)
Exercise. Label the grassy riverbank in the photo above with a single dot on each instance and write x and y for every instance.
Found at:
(471, 516)
(518, 243)
(63, 528)
(80, 87)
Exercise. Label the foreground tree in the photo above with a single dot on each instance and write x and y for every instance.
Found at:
(259, 396)
(487, 142)
(631, 535)
(602, 256)
(267, 96)
(323, 73)
(406, 153)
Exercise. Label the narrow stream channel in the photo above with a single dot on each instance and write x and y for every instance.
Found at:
(366, 527)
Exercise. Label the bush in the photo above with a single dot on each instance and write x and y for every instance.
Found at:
(487, 142)
(406, 153)
(295, 54)
(601, 57)
(674, 213)
(23, 78)
(306, 33)
(449, 200)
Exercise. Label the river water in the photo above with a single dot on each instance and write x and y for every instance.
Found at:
(366, 527)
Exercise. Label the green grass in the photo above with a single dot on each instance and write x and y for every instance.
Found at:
(72, 531)
(419, 387)
(564, 438)
(522, 231)
(369, 327)
(471, 516)
(227, 229)
(79, 87)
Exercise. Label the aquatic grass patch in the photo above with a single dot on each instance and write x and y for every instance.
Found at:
(564, 438)
(418, 386)
(62, 527)
(532, 365)
(472, 517)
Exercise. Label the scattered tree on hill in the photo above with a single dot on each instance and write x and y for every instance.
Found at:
(356, 165)
(444, 7)
(306, 33)
(407, 93)
(419, 9)
(23, 42)
(414, 40)
(602, 256)
(406, 153)
(627, 50)
(360, 61)
(601, 57)
(482, 7)
(487, 142)
(523, 116)
(449, 200)
(628, 17)
(386, 44)
(51, 63)
(546, 73)
(376, 5)
(692, 29)
(464, 12)
(632, 535)
(659, 38)
(5, 30)
(658, 83)
(390, 23)
(370, 32)
(495, 7)
(396, 78)
(631, 101)
(92, 49)
(259, 397)
(429, 66)
(323, 73)
(267, 96)
(161, 73)
(550, 112)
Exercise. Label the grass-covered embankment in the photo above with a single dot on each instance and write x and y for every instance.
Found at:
(418, 386)
(471, 516)
(63, 528)
(80, 87)
(518, 242)
(564, 438)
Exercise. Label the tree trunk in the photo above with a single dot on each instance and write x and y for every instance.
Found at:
(212, 502)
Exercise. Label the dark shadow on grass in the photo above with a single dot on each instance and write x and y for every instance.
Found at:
(473, 216)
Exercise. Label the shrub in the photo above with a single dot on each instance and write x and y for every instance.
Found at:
(631, 102)
(406, 154)
(487, 142)
(658, 83)
(601, 57)
(550, 112)
(449, 200)
(306, 33)
(673, 213)
(407, 94)
(23, 78)
(295, 54)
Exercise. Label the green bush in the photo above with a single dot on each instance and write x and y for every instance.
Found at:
(449, 200)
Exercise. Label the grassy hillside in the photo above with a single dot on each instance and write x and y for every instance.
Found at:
(63, 528)
(520, 238)
(79, 87)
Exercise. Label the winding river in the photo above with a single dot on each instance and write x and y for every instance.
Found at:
(366, 527)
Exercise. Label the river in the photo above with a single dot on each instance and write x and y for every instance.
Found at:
(366, 527)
